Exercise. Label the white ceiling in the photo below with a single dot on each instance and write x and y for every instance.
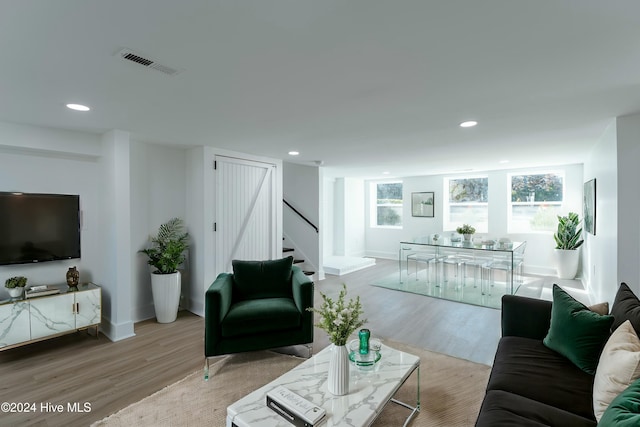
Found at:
(362, 85)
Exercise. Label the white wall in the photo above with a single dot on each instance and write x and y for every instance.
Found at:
(628, 154)
(348, 211)
(158, 181)
(328, 216)
(33, 171)
(384, 242)
(600, 252)
(123, 198)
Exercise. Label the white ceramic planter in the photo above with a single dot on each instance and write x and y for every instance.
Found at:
(567, 262)
(338, 378)
(166, 296)
(15, 292)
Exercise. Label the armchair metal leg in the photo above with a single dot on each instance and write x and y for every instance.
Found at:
(310, 348)
(206, 368)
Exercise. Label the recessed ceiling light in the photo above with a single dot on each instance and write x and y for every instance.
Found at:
(293, 153)
(78, 107)
(468, 124)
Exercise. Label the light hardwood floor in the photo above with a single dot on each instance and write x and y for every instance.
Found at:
(79, 368)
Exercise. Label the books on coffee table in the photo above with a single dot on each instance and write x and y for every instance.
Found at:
(294, 408)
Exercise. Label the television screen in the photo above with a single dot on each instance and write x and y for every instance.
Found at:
(39, 227)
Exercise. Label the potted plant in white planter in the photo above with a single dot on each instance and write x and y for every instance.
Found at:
(568, 241)
(166, 253)
(15, 286)
(467, 231)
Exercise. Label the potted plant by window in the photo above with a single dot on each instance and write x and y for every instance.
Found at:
(15, 286)
(166, 253)
(467, 231)
(568, 241)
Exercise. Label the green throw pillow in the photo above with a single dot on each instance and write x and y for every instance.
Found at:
(576, 332)
(624, 410)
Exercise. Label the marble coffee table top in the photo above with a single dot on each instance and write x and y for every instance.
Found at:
(369, 391)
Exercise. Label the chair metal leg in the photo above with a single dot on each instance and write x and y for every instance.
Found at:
(206, 369)
(310, 348)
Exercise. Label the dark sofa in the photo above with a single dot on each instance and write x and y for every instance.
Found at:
(530, 384)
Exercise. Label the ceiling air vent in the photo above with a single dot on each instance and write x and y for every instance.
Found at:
(145, 61)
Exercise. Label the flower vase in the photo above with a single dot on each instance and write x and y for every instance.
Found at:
(338, 381)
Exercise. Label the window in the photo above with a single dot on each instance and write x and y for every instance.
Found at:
(467, 203)
(388, 204)
(536, 200)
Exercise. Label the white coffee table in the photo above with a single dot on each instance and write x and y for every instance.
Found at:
(369, 392)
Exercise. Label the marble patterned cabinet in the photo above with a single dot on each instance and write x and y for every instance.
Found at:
(27, 320)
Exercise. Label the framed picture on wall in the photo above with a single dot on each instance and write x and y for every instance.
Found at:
(589, 194)
(422, 204)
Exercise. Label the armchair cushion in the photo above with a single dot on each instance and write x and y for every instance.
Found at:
(262, 279)
(261, 315)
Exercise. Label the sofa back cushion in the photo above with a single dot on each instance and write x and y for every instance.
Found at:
(262, 279)
(626, 306)
(624, 411)
(576, 332)
(619, 366)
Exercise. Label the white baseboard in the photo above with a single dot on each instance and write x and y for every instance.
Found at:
(117, 332)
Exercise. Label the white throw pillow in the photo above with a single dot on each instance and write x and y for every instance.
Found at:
(618, 367)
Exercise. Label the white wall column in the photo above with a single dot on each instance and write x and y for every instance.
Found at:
(116, 233)
(628, 140)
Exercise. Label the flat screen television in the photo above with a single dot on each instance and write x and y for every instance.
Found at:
(38, 227)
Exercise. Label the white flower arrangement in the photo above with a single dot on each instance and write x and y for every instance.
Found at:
(338, 318)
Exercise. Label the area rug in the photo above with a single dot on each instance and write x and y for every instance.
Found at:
(531, 286)
(451, 391)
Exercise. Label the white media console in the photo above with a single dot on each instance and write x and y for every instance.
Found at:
(26, 320)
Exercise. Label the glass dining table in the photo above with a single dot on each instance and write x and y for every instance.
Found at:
(492, 258)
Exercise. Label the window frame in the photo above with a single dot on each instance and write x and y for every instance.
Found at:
(510, 204)
(373, 223)
(447, 224)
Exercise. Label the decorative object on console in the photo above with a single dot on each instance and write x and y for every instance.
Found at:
(568, 241)
(73, 277)
(467, 231)
(15, 286)
(422, 204)
(339, 319)
(166, 253)
(43, 290)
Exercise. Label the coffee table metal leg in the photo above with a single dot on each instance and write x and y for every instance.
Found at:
(414, 410)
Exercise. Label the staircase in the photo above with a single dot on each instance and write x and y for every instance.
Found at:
(300, 262)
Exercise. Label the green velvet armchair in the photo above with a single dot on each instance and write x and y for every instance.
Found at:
(262, 305)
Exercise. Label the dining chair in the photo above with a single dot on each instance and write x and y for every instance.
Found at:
(504, 262)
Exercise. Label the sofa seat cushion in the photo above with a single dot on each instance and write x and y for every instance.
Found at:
(260, 315)
(501, 408)
(526, 367)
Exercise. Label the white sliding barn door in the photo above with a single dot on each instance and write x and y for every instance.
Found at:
(245, 211)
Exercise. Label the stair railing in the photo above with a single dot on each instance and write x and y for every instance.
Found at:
(301, 216)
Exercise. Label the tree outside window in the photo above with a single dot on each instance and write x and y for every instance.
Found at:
(536, 200)
(389, 204)
(467, 203)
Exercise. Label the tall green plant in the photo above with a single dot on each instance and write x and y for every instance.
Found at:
(167, 248)
(568, 234)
